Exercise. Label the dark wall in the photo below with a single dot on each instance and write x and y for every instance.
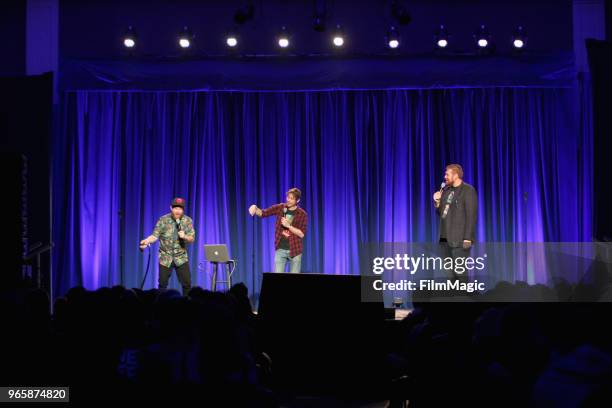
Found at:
(25, 125)
(12, 37)
(93, 29)
(608, 11)
(600, 65)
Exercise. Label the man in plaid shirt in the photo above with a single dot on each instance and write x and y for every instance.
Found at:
(289, 230)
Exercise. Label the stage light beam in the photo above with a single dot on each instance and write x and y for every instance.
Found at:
(129, 39)
(519, 39)
(441, 37)
(185, 38)
(283, 38)
(482, 37)
(231, 39)
(338, 37)
(393, 38)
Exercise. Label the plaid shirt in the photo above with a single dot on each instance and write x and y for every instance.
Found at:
(300, 219)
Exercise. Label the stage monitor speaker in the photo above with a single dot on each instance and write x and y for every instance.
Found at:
(319, 333)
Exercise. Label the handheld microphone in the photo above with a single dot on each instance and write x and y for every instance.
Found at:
(284, 213)
(178, 227)
(441, 192)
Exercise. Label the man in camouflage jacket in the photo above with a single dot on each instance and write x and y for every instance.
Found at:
(174, 231)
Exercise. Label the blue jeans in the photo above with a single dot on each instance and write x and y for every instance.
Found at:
(281, 257)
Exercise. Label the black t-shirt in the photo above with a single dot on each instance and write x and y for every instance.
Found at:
(284, 242)
(447, 199)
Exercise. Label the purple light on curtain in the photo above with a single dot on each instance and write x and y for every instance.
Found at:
(367, 163)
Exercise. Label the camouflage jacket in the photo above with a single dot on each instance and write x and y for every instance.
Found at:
(171, 248)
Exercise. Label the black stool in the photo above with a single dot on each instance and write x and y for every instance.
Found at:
(229, 267)
(218, 254)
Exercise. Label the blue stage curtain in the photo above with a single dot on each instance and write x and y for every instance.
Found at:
(367, 163)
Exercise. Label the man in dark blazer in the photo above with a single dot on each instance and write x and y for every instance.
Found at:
(456, 205)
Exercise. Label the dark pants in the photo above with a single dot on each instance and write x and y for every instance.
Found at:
(454, 253)
(182, 272)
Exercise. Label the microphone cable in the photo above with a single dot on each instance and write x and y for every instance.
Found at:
(147, 268)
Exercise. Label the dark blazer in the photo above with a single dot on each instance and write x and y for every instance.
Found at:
(461, 218)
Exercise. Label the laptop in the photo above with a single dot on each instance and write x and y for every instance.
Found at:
(216, 253)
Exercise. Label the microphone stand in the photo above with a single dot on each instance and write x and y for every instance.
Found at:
(253, 253)
(121, 243)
